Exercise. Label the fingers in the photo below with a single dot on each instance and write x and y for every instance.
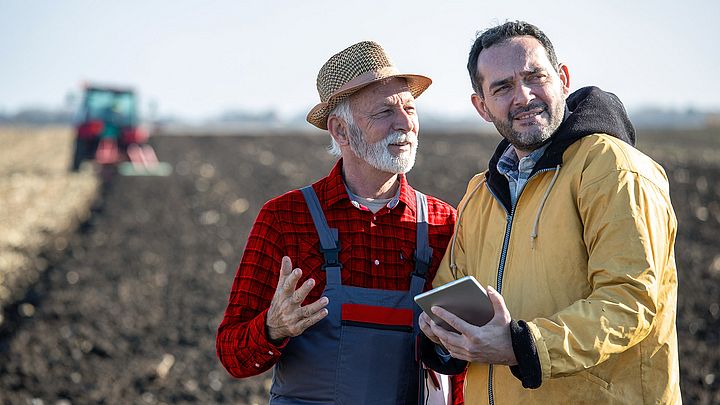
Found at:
(308, 316)
(458, 352)
(426, 327)
(308, 311)
(285, 271)
(285, 268)
(291, 280)
(292, 320)
(498, 302)
(287, 283)
(449, 340)
(315, 318)
(298, 296)
(424, 321)
(286, 317)
(446, 337)
(441, 334)
(452, 320)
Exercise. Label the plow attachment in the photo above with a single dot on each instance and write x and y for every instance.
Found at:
(143, 162)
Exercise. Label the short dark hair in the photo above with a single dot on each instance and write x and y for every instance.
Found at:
(499, 34)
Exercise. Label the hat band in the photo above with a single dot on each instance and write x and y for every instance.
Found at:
(366, 78)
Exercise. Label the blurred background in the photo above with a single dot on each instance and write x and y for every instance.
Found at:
(138, 140)
(245, 61)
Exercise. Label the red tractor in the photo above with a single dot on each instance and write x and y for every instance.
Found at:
(108, 132)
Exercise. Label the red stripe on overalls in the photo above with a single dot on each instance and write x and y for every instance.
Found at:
(377, 315)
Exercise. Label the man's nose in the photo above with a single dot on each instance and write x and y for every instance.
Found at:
(404, 121)
(523, 94)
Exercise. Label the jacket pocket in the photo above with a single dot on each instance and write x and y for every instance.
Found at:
(595, 379)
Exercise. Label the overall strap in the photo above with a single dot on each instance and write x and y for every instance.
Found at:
(423, 251)
(423, 255)
(329, 242)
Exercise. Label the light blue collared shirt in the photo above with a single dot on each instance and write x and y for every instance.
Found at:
(518, 171)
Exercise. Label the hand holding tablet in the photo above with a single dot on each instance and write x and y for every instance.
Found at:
(464, 297)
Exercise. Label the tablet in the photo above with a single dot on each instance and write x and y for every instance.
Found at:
(464, 297)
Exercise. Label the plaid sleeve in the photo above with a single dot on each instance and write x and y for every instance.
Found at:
(242, 344)
(457, 386)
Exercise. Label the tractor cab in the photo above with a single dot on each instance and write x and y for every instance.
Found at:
(108, 132)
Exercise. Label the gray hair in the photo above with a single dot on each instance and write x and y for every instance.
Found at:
(343, 112)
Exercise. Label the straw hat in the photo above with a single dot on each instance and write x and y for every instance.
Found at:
(352, 69)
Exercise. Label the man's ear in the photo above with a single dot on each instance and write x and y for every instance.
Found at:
(338, 130)
(479, 104)
(564, 73)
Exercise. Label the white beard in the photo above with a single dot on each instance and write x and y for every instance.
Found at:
(378, 155)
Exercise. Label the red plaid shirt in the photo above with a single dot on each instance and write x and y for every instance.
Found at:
(376, 252)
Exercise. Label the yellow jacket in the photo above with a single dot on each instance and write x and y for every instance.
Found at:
(586, 259)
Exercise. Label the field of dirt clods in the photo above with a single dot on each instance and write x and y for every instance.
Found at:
(128, 313)
(40, 202)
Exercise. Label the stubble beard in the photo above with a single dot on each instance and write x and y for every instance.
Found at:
(535, 136)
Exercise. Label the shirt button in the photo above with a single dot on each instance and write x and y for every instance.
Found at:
(257, 365)
(270, 352)
(377, 262)
(374, 218)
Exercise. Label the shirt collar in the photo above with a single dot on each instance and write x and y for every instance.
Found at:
(356, 200)
(509, 161)
(336, 192)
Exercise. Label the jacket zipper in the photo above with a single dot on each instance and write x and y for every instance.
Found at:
(501, 267)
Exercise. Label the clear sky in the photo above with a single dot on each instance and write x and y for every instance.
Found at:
(199, 58)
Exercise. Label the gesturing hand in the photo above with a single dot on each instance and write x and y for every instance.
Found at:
(286, 317)
(490, 344)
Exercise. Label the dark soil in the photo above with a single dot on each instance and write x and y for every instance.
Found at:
(128, 311)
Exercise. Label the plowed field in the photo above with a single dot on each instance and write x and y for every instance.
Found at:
(127, 312)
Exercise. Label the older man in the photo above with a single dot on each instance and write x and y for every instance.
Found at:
(341, 328)
(575, 228)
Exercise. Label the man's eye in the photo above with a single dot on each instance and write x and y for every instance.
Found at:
(501, 90)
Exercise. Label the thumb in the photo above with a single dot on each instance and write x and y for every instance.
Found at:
(498, 303)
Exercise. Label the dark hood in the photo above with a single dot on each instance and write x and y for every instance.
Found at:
(588, 110)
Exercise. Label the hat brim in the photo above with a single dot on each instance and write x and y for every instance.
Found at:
(319, 114)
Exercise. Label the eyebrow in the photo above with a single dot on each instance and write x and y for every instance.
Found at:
(532, 71)
(404, 100)
(509, 80)
(499, 83)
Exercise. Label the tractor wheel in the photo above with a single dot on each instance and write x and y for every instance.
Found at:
(79, 155)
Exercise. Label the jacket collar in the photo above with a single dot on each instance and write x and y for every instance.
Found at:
(588, 111)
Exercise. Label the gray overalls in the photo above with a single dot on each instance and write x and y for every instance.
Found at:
(363, 351)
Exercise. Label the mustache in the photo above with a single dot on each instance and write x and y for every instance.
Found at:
(400, 137)
(533, 105)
